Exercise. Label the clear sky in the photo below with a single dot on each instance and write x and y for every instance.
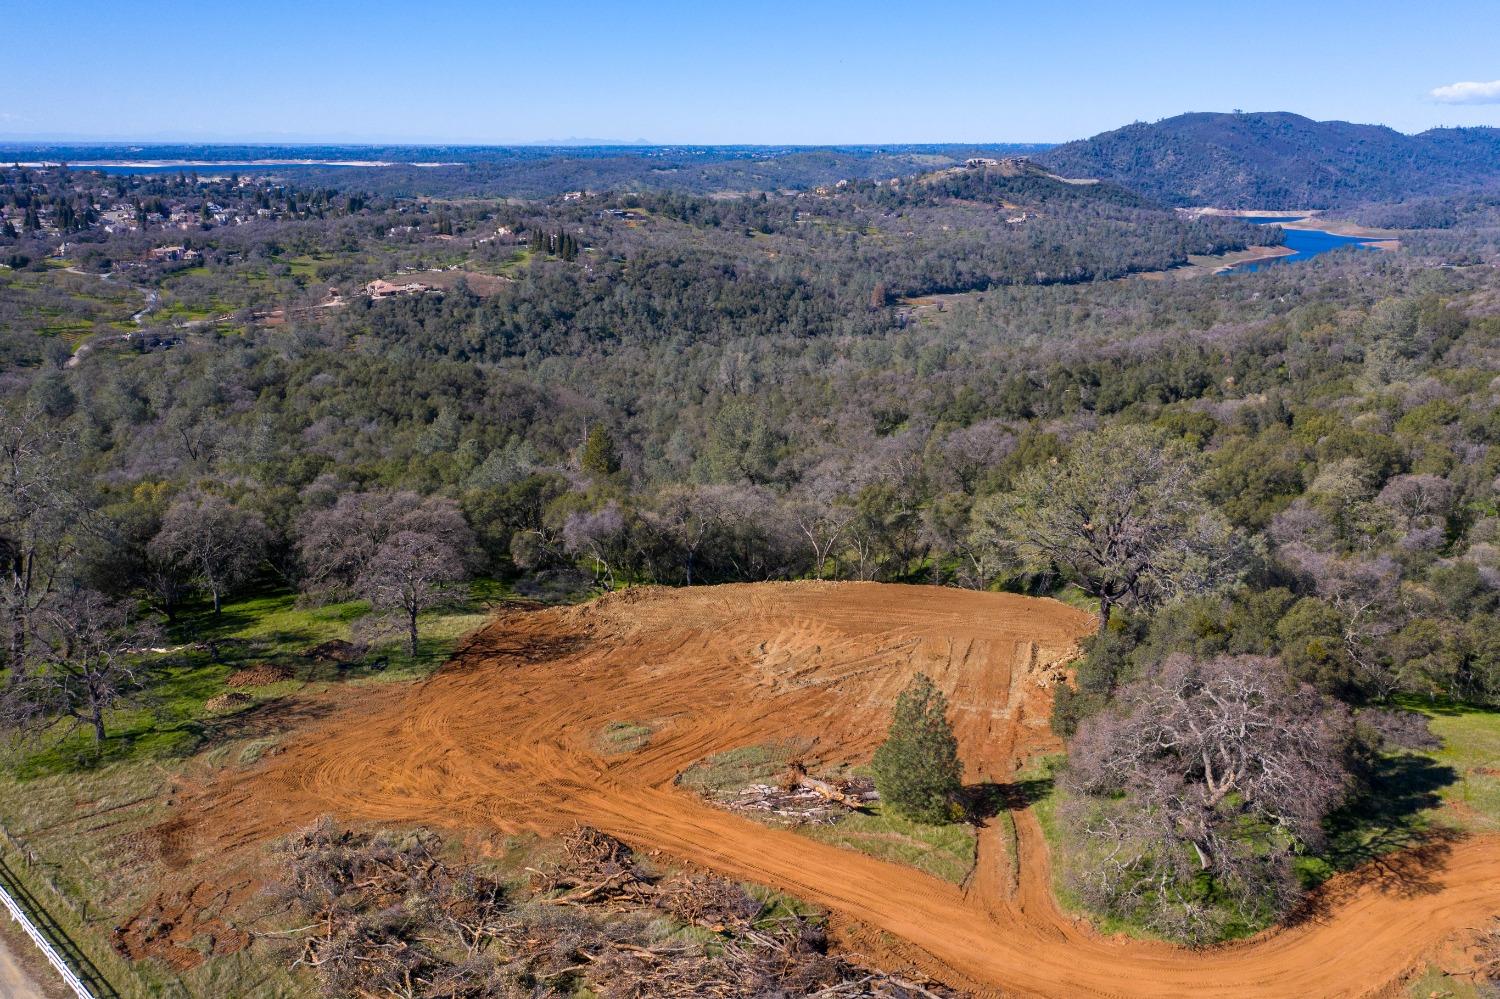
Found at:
(723, 72)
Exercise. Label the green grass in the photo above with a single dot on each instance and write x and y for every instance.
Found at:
(623, 737)
(726, 773)
(1471, 747)
(1435, 983)
(305, 266)
(170, 723)
(945, 851)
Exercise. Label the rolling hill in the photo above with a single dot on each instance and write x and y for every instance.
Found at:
(1281, 160)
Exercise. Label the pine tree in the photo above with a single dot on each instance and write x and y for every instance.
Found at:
(599, 456)
(917, 771)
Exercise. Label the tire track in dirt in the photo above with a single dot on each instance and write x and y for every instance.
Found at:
(505, 737)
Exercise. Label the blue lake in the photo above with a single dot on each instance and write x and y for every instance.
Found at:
(1305, 244)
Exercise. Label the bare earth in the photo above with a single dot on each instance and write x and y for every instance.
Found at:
(504, 738)
(24, 972)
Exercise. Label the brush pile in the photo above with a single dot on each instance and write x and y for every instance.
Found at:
(386, 915)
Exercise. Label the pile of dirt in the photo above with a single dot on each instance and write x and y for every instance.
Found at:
(336, 651)
(227, 701)
(183, 929)
(258, 675)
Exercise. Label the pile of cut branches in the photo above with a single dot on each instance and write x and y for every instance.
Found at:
(388, 917)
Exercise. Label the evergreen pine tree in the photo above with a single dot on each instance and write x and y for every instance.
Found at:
(599, 456)
(917, 771)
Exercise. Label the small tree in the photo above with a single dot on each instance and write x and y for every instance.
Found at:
(599, 456)
(410, 573)
(917, 771)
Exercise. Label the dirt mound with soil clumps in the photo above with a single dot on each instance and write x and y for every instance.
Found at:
(259, 675)
(183, 929)
(228, 701)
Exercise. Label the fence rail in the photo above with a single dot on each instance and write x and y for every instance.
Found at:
(45, 946)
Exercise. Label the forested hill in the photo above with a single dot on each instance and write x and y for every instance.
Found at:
(1281, 160)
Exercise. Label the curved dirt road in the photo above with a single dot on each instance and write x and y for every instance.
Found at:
(505, 738)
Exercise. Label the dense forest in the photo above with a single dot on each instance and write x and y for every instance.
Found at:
(979, 375)
(1282, 160)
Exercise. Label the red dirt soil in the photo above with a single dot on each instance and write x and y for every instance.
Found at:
(504, 738)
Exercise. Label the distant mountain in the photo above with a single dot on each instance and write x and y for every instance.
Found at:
(1281, 160)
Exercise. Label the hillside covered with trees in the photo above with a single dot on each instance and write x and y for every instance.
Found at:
(1281, 160)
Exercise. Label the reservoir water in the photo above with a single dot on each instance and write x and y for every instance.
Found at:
(1305, 244)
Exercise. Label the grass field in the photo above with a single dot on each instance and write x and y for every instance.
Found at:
(945, 851)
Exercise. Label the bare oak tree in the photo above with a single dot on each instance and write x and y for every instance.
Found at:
(409, 573)
(38, 515)
(85, 659)
(401, 552)
(1212, 769)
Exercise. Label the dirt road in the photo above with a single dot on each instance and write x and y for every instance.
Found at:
(506, 738)
(24, 973)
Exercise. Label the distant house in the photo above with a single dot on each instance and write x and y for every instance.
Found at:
(174, 253)
(381, 288)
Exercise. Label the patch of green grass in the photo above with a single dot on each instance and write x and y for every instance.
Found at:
(1471, 747)
(945, 851)
(1435, 983)
(777, 906)
(170, 722)
(727, 772)
(624, 737)
(1455, 786)
(305, 266)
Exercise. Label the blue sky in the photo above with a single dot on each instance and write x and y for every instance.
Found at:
(706, 72)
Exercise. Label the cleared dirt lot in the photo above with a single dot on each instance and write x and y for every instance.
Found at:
(505, 738)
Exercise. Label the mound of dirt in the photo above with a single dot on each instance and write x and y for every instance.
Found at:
(228, 701)
(505, 738)
(183, 929)
(336, 650)
(258, 675)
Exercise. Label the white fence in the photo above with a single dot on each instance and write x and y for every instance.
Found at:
(19, 915)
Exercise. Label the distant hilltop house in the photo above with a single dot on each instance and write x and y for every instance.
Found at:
(381, 288)
(1006, 163)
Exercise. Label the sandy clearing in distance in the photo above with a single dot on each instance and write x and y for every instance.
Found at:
(503, 738)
